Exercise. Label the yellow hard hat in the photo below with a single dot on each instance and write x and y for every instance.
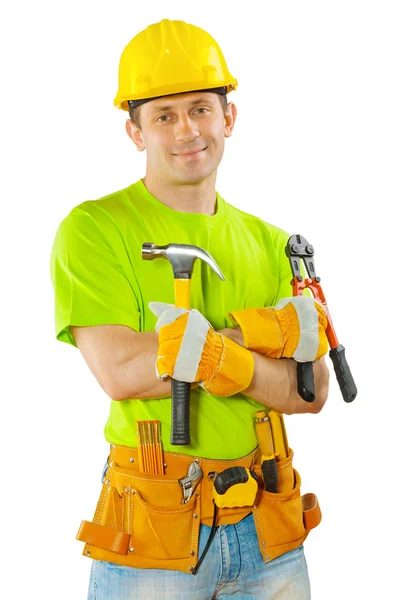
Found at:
(170, 57)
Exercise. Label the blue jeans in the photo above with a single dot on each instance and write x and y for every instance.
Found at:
(233, 566)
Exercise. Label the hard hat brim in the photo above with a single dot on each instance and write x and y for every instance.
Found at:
(176, 89)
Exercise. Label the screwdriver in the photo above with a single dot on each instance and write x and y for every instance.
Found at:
(279, 435)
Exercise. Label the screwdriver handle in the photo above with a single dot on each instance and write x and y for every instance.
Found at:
(343, 373)
(180, 426)
(305, 381)
(270, 475)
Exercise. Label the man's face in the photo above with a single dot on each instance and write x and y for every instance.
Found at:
(184, 136)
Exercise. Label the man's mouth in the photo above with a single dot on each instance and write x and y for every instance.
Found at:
(192, 153)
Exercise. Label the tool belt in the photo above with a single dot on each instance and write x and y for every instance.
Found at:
(140, 520)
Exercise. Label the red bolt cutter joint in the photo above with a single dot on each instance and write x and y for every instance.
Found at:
(299, 285)
(298, 249)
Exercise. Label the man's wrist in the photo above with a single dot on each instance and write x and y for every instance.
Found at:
(233, 333)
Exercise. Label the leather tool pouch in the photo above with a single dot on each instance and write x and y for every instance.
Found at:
(283, 520)
(140, 521)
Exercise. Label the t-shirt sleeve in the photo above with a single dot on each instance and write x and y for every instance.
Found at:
(90, 287)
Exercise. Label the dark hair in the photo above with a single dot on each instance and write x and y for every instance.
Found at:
(134, 113)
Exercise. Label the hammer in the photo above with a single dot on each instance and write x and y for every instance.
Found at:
(181, 257)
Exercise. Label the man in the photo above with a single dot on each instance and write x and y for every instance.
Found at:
(147, 540)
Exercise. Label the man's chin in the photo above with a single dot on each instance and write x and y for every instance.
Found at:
(193, 174)
(192, 178)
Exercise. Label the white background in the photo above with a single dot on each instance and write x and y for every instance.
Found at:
(315, 151)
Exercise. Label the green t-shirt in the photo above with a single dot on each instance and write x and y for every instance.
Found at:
(99, 278)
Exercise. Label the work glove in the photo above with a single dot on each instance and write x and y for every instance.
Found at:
(294, 328)
(191, 350)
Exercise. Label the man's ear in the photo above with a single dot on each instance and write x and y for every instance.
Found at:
(230, 118)
(135, 134)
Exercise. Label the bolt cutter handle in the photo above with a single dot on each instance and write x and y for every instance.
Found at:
(305, 381)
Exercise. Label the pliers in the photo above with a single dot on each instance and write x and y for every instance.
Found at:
(297, 249)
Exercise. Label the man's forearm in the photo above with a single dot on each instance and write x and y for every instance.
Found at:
(136, 376)
(274, 382)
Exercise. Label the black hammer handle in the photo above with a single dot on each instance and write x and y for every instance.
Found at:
(305, 381)
(180, 426)
(343, 374)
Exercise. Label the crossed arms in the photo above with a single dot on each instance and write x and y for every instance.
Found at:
(122, 360)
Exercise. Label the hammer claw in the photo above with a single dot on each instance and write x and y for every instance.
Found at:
(181, 257)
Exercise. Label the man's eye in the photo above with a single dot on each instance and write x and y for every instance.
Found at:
(163, 118)
(201, 110)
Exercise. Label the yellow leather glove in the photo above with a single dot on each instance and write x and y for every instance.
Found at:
(294, 328)
(191, 350)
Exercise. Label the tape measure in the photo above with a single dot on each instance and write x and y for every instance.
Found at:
(236, 486)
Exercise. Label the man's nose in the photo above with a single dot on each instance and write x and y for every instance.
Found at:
(186, 130)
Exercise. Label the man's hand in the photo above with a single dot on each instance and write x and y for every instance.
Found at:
(294, 328)
(191, 350)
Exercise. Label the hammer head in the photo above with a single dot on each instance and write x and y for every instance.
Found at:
(181, 257)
